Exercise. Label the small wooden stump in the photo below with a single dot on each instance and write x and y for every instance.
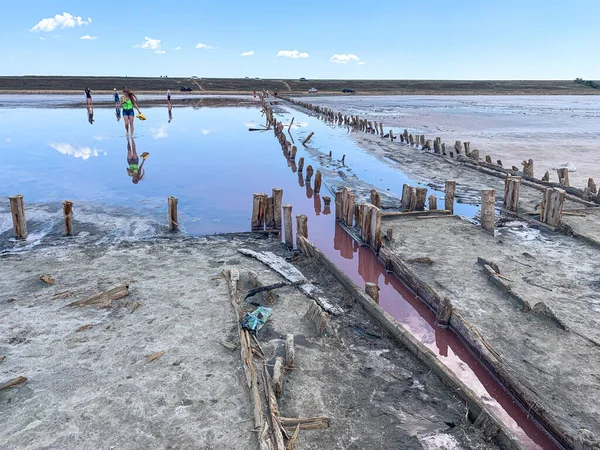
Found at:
(318, 181)
(301, 229)
(512, 186)
(17, 209)
(290, 352)
(309, 173)
(563, 176)
(288, 226)
(277, 200)
(389, 234)
(372, 291)
(552, 206)
(317, 317)
(528, 168)
(420, 196)
(449, 196)
(259, 208)
(444, 313)
(375, 198)
(269, 212)
(68, 217)
(488, 209)
(173, 222)
(432, 202)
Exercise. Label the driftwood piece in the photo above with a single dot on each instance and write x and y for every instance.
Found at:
(294, 438)
(270, 287)
(154, 356)
(104, 299)
(14, 382)
(290, 351)
(307, 138)
(273, 409)
(492, 264)
(311, 423)
(84, 327)
(290, 273)
(317, 317)
(278, 376)
(47, 279)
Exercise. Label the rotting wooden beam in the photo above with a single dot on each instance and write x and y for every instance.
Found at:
(17, 209)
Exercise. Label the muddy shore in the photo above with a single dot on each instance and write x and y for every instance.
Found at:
(96, 388)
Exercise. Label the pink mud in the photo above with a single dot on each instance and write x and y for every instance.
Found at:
(362, 265)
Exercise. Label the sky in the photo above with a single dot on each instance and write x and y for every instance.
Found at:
(388, 39)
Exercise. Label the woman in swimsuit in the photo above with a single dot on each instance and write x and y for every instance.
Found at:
(88, 97)
(134, 169)
(129, 101)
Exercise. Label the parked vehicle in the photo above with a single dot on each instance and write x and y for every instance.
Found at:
(348, 91)
(185, 89)
(313, 91)
(303, 79)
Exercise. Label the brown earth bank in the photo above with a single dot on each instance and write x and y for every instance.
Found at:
(159, 368)
(73, 84)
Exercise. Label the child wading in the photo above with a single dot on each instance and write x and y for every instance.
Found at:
(129, 102)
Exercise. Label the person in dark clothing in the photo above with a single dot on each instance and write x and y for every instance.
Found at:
(88, 97)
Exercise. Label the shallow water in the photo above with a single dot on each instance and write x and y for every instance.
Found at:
(209, 160)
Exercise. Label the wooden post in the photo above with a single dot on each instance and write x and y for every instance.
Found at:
(405, 200)
(467, 148)
(68, 217)
(552, 206)
(173, 223)
(528, 168)
(17, 209)
(512, 186)
(449, 196)
(318, 180)
(563, 176)
(349, 208)
(391, 136)
(432, 202)
(290, 352)
(259, 206)
(343, 160)
(301, 229)
(326, 205)
(444, 312)
(372, 291)
(300, 165)
(293, 153)
(412, 198)
(287, 222)
(291, 123)
(309, 173)
(269, 214)
(339, 208)
(375, 198)
(389, 233)
(375, 237)
(277, 200)
(488, 198)
(421, 194)
(308, 138)
(380, 129)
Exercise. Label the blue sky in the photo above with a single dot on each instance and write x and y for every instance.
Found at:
(485, 39)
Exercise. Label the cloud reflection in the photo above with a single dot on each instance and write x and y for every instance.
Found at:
(75, 151)
(159, 133)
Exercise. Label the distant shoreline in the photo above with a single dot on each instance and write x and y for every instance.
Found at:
(245, 86)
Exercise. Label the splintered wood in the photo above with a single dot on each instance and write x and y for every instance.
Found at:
(317, 317)
(552, 206)
(512, 186)
(104, 299)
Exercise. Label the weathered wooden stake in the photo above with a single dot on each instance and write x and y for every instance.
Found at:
(259, 206)
(432, 202)
(449, 196)
(307, 138)
(17, 209)
(290, 352)
(68, 217)
(512, 186)
(277, 200)
(372, 291)
(173, 223)
(421, 196)
(288, 227)
(552, 206)
(291, 123)
(300, 164)
(380, 129)
(563, 176)
(350, 199)
(269, 214)
(528, 168)
(339, 205)
(301, 229)
(389, 233)
(293, 153)
(444, 312)
(318, 181)
(488, 198)
(375, 198)
(309, 172)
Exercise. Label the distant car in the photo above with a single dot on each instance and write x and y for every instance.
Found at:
(303, 79)
(348, 91)
(194, 77)
(185, 89)
(313, 91)
(257, 78)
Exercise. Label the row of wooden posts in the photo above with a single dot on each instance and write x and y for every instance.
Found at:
(17, 209)
(459, 150)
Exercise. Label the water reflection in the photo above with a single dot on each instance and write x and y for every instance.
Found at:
(90, 113)
(134, 169)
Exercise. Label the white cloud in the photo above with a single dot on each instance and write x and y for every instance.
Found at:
(250, 53)
(42, 39)
(8, 140)
(65, 20)
(292, 54)
(159, 133)
(78, 152)
(177, 48)
(87, 37)
(149, 43)
(361, 62)
(343, 58)
(160, 52)
(201, 45)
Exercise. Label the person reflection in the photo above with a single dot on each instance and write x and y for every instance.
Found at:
(134, 169)
(90, 113)
(118, 113)
(170, 108)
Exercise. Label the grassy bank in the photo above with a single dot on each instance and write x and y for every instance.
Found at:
(52, 84)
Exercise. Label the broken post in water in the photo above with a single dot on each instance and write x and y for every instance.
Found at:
(318, 181)
(512, 186)
(309, 173)
(488, 197)
(277, 200)
(432, 202)
(17, 209)
(68, 217)
(300, 165)
(301, 229)
(259, 206)
(552, 206)
(173, 223)
(307, 138)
